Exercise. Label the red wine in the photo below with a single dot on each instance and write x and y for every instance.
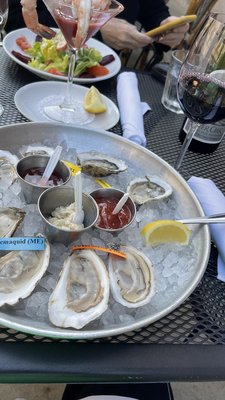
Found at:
(202, 96)
(206, 139)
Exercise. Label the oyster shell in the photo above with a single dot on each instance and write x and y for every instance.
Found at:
(7, 165)
(32, 149)
(132, 279)
(10, 219)
(20, 272)
(147, 189)
(82, 291)
(99, 164)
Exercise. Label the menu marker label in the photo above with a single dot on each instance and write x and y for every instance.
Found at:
(22, 243)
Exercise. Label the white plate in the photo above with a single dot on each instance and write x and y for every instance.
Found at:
(9, 44)
(31, 99)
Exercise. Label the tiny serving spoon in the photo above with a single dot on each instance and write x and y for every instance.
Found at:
(120, 203)
(206, 219)
(50, 166)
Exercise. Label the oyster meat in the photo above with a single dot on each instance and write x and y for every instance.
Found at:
(132, 279)
(8, 162)
(20, 271)
(99, 164)
(82, 291)
(35, 149)
(10, 219)
(147, 189)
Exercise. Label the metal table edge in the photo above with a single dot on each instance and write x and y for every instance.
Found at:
(68, 362)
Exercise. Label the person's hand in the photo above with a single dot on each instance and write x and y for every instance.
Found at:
(175, 36)
(120, 34)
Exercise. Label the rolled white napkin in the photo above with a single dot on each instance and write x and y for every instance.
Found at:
(213, 202)
(131, 108)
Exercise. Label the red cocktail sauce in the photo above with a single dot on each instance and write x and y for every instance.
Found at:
(34, 174)
(106, 219)
(68, 24)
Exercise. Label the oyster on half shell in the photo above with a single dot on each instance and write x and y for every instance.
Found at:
(34, 149)
(132, 279)
(99, 164)
(10, 219)
(147, 189)
(20, 271)
(8, 162)
(82, 291)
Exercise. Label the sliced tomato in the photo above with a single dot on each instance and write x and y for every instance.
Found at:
(23, 43)
(55, 71)
(98, 70)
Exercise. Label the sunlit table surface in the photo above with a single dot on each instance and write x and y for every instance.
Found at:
(176, 348)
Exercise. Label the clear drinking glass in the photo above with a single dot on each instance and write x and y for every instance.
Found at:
(201, 82)
(67, 18)
(3, 18)
(169, 97)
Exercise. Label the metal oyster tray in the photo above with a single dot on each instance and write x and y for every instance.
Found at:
(145, 162)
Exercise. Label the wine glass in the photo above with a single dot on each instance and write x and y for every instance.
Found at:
(3, 18)
(201, 82)
(68, 17)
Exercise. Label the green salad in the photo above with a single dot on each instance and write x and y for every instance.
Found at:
(47, 55)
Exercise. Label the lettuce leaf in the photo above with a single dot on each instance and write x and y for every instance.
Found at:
(87, 58)
(45, 56)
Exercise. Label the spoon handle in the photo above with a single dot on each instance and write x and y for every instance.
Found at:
(120, 203)
(50, 166)
(210, 219)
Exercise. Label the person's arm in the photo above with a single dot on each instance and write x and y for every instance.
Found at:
(175, 36)
(120, 34)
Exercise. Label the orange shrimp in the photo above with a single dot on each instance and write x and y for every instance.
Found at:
(101, 4)
(31, 19)
(83, 8)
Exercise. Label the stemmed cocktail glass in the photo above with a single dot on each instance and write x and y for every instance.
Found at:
(3, 19)
(78, 24)
(201, 82)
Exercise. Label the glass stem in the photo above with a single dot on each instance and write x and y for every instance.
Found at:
(67, 102)
(189, 136)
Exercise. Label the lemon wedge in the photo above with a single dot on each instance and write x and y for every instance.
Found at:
(165, 231)
(93, 101)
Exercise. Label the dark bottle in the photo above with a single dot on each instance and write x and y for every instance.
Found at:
(206, 139)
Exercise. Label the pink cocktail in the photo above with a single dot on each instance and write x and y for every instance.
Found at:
(78, 22)
(68, 24)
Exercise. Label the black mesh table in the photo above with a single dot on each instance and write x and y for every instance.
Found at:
(188, 344)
